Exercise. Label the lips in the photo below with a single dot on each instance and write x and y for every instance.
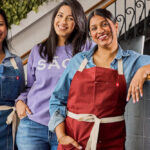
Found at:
(102, 37)
(62, 27)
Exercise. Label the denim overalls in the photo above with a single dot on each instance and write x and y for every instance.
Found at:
(9, 90)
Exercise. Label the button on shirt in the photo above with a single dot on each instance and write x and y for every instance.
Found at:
(132, 61)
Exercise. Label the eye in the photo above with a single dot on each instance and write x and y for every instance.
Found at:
(70, 18)
(93, 28)
(59, 15)
(104, 24)
(1, 24)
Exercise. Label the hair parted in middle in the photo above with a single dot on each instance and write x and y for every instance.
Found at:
(77, 38)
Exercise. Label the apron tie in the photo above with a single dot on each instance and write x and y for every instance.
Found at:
(92, 142)
(11, 118)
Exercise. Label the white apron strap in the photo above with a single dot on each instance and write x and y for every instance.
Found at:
(83, 64)
(92, 142)
(120, 67)
(13, 62)
(12, 118)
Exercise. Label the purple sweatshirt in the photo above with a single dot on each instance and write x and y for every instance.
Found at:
(41, 81)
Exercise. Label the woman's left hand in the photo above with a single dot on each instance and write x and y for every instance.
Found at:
(136, 86)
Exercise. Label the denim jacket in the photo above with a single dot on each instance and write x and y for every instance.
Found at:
(12, 80)
(132, 61)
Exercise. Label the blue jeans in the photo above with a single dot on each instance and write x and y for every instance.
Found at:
(6, 142)
(34, 136)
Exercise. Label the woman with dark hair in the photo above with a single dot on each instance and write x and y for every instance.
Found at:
(46, 63)
(11, 84)
(88, 103)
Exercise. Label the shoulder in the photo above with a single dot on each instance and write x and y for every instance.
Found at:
(17, 58)
(35, 49)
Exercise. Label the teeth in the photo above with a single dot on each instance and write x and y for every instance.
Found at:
(102, 37)
(62, 27)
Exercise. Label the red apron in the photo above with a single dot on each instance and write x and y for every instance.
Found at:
(101, 92)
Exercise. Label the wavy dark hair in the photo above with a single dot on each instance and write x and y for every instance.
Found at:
(77, 38)
(5, 42)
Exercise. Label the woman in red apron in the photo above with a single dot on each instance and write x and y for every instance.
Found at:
(88, 104)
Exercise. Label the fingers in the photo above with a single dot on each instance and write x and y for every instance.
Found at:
(66, 140)
(76, 145)
(28, 110)
(135, 91)
(22, 109)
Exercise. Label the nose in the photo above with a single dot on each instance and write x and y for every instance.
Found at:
(63, 20)
(100, 29)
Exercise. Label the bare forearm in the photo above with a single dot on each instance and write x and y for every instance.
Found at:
(60, 130)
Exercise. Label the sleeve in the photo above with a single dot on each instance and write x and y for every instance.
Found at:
(141, 61)
(30, 79)
(59, 97)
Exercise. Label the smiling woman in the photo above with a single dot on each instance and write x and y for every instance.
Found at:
(11, 84)
(87, 106)
(46, 63)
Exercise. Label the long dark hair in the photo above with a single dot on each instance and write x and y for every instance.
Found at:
(77, 38)
(4, 43)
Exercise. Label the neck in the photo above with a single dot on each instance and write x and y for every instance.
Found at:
(104, 56)
(1, 48)
(61, 41)
(107, 53)
(2, 54)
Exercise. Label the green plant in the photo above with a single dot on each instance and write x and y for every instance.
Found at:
(16, 10)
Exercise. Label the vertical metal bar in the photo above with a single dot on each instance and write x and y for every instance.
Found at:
(145, 19)
(125, 17)
(135, 19)
(115, 9)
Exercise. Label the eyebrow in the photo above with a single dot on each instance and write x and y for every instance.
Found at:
(100, 23)
(63, 13)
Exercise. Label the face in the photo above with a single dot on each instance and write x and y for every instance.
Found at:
(103, 32)
(64, 22)
(3, 29)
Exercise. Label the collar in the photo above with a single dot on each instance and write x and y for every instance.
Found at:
(7, 54)
(121, 53)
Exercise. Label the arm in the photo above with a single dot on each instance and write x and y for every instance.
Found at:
(21, 106)
(58, 102)
(142, 69)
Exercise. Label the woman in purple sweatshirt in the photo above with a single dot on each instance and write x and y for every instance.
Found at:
(46, 64)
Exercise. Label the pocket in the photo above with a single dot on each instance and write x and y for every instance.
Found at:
(23, 118)
(9, 87)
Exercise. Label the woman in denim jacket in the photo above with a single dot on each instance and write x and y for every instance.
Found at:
(88, 103)
(11, 84)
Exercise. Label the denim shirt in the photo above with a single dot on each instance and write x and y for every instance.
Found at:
(132, 61)
(11, 80)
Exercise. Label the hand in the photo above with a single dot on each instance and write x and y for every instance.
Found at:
(136, 85)
(66, 140)
(22, 108)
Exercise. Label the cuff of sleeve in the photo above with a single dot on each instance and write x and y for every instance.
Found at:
(55, 120)
(20, 98)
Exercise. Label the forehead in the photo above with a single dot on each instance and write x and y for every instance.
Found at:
(65, 10)
(1, 18)
(96, 20)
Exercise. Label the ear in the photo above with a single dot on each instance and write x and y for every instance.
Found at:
(116, 26)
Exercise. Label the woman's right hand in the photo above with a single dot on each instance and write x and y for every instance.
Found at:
(21, 109)
(67, 140)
